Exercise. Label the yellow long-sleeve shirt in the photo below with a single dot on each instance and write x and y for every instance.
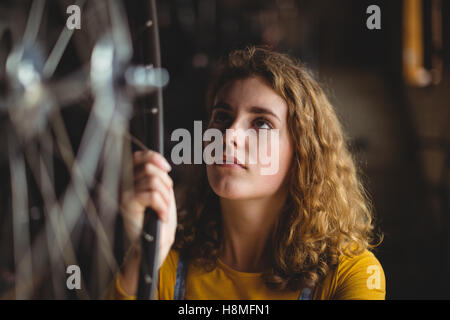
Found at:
(357, 278)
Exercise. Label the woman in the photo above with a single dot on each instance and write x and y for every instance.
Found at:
(303, 232)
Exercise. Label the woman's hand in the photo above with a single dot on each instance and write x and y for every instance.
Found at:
(153, 188)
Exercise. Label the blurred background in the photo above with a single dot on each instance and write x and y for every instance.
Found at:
(390, 88)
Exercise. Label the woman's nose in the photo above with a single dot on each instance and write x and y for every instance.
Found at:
(234, 137)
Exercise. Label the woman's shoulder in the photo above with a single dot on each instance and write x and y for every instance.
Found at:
(357, 261)
(356, 277)
(360, 276)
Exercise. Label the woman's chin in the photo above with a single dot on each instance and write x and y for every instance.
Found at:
(230, 192)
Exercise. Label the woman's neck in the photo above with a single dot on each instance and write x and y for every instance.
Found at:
(247, 229)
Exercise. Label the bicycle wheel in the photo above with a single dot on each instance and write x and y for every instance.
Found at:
(66, 100)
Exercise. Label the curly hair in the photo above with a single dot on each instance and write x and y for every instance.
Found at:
(327, 212)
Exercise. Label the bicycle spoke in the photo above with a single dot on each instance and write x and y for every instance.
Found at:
(37, 138)
(70, 162)
(34, 21)
(120, 32)
(40, 266)
(71, 89)
(59, 48)
(20, 217)
(56, 231)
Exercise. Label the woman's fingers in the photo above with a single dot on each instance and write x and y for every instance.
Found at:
(150, 169)
(153, 183)
(153, 188)
(155, 201)
(142, 157)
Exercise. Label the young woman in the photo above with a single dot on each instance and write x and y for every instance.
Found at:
(303, 232)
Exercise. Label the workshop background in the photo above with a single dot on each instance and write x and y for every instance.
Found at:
(390, 88)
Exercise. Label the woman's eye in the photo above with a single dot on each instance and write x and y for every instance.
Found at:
(221, 117)
(262, 123)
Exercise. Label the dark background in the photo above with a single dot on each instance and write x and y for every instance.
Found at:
(398, 134)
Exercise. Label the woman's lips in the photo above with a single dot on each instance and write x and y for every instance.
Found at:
(231, 164)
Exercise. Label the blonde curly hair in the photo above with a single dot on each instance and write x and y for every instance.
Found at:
(327, 212)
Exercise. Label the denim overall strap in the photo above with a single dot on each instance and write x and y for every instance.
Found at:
(180, 279)
(307, 294)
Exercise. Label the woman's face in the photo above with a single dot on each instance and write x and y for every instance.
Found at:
(242, 105)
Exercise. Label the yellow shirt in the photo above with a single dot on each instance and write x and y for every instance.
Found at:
(360, 277)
